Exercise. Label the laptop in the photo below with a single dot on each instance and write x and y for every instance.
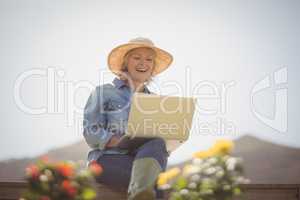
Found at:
(151, 116)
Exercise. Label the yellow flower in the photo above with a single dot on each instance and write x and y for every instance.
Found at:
(164, 177)
(224, 146)
(205, 154)
(190, 169)
(221, 147)
(162, 180)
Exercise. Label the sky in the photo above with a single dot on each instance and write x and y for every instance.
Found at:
(240, 59)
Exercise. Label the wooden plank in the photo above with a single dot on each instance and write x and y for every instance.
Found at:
(271, 191)
(11, 190)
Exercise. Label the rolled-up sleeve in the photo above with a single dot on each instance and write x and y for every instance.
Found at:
(94, 121)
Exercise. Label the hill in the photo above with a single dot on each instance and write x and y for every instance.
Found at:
(264, 162)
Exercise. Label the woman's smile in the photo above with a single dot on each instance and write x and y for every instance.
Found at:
(141, 69)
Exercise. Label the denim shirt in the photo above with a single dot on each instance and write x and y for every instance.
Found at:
(106, 114)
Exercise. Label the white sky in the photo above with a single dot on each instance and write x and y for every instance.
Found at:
(212, 41)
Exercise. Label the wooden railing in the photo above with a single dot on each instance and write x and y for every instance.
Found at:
(12, 190)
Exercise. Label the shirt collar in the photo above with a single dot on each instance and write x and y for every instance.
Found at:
(121, 83)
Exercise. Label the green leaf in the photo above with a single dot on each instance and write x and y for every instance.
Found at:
(176, 196)
(181, 183)
(237, 191)
(88, 194)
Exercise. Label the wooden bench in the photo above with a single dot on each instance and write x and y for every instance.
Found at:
(11, 190)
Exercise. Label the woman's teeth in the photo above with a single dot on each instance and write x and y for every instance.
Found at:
(141, 70)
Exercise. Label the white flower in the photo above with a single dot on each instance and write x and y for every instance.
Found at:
(212, 160)
(84, 173)
(190, 169)
(226, 157)
(197, 161)
(226, 187)
(48, 173)
(43, 178)
(184, 192)
(220, 173)
(206, 180)
(205, 165)
(192, 185)
(230, 164)
(218, 168)
(195, 178)
(165, 187)
(210, 171)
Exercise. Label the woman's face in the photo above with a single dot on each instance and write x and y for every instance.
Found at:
(140, 64)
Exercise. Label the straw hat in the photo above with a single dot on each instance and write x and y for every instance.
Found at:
(163, 59)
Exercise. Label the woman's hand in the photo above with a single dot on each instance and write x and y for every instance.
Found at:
(114, 141)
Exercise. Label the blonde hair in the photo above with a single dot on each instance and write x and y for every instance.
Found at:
(125, 63)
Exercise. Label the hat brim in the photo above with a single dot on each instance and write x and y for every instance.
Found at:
(163, 59)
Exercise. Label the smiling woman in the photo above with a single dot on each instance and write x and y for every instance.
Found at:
(106, 116)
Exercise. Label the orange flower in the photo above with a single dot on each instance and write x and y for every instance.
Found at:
(65, 169)
(45, 159)
(33, 171)
(69, 188)
(95, 168)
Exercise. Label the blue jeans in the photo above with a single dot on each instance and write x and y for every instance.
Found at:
(117, 167)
